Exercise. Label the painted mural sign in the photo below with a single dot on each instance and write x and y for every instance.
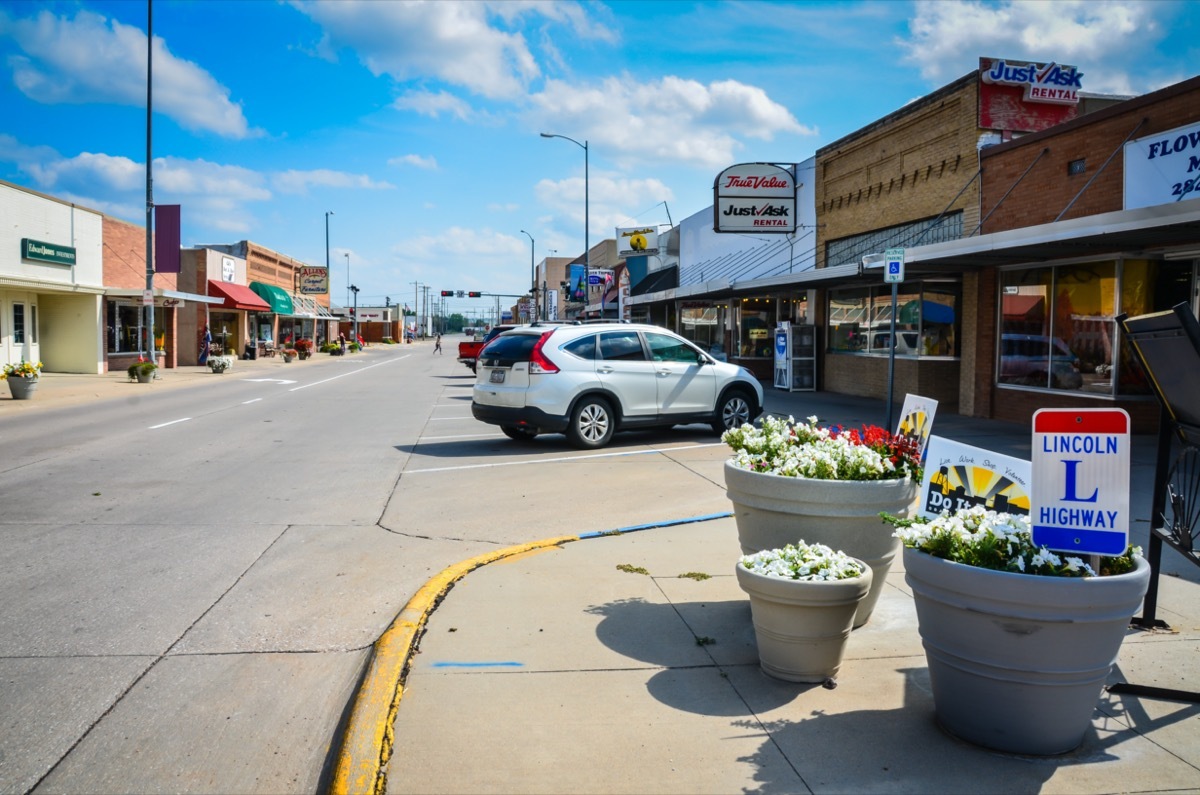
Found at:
(1024, 96)
(960, 476)
(1163, 168)
(636, 241)
(916, 420)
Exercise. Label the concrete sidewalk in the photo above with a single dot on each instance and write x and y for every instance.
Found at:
(627, 664)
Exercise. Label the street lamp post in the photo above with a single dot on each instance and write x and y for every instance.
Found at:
(354, 290)
(349, 286)
(532, 276)
(328, 279)
(587, 253)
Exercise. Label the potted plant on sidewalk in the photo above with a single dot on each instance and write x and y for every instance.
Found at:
(142, 372)
(304, 348)
(22, 378)
(289, 354)
(803, 598)
(828, 485)
(1019, 640)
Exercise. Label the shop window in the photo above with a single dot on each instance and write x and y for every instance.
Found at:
(18, 324)
(703, 325)
(756, 318)
(1148, 286)
(124, 327)
(1058, 328)
(860, 320)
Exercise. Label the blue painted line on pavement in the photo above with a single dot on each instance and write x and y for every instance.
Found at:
(668, 523)
(509, 664)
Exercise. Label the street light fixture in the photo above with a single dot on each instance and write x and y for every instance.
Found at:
(587, 254)
(349, 286)
(354, 290)
(532, 276)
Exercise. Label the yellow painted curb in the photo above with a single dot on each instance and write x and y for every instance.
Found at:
(367, 742)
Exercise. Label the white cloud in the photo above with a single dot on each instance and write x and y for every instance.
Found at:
(90, 59)
(293, 181)
(1102, 37)
(433, 105)
(452, 42)
(481, 247)
(418, 161)
(495, 207)
(609, 200)
(666, 120)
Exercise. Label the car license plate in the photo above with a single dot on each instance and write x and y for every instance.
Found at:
(497, 377)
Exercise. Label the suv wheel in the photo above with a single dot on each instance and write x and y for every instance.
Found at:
(591, 423)
(519, 434)
(732, 412)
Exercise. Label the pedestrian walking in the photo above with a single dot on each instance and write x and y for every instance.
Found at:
(437, 344)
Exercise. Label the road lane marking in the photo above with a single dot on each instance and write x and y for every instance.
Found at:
(165, 424)
(352, 372)
(248, 402)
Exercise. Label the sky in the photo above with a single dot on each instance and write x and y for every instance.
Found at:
(417, 124)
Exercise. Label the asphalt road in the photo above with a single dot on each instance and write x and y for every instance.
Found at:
(194, 577)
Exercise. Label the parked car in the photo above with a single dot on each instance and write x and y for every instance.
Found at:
(589, 381)
(1038, 360)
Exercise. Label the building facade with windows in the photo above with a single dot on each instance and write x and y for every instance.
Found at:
(51, 282)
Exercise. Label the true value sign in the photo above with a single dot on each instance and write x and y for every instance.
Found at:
(1080, 492)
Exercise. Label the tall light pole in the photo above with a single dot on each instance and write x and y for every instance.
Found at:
(532, 276)
(328, 278)
(354, 290)
(587, 253)
(348, 285)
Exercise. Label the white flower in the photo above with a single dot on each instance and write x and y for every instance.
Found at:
(801, 561)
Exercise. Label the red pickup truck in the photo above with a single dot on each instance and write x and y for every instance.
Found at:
(468, 351)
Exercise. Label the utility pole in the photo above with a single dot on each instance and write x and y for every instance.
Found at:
(416, 307)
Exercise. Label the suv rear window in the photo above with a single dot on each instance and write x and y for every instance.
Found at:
(504, 350)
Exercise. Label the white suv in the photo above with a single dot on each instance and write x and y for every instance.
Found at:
(589, 381)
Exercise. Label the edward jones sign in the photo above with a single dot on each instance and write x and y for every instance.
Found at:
(754, 197)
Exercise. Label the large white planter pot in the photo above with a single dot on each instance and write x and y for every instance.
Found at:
(1017, 662)
(801, 627)
(22, 388)
(772, 511)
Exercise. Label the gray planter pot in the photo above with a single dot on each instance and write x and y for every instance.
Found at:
(1017, 662)
(772, 511)
(22, 388)
(801, 627)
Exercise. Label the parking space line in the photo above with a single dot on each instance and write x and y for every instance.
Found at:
(559, 459)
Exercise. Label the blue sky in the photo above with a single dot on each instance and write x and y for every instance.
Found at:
(418, 124)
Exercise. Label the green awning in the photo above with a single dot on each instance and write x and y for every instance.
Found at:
(277, 297)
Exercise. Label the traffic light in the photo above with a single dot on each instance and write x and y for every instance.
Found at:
(447, 293)
(387, 301)
(475, 294)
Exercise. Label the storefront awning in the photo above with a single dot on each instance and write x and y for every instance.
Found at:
(236, 296)
(303, 306)
(162, 296)
(277, 297)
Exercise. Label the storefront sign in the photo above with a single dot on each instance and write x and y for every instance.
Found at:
(1022, 96)
(314, 280)
(637, 241)
(47, 252)
(754, 197)
(1050, 82)
(1163, 168)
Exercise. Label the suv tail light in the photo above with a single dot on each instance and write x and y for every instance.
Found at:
(538, 363)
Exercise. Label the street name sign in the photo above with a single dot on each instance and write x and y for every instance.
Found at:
(1080, 494)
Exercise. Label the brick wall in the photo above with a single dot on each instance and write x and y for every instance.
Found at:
(125, 257)
(1048, 189)
(866, 376)
(906, 167)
